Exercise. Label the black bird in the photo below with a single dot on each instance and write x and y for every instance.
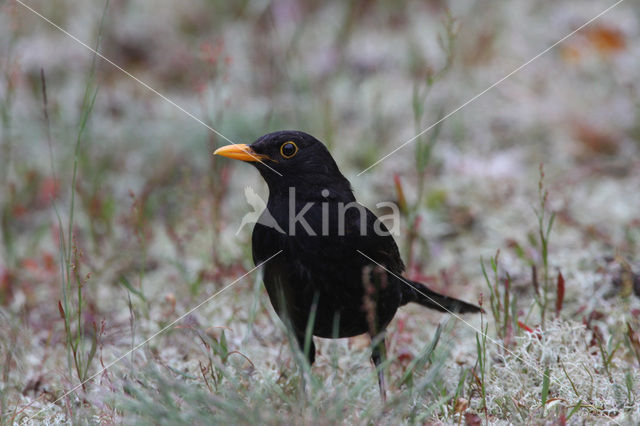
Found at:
(339, 269)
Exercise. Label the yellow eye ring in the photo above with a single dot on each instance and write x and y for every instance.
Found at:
(286, 149)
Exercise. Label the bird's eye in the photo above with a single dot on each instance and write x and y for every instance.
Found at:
(288, 149)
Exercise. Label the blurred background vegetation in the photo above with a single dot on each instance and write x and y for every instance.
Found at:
(116, 219)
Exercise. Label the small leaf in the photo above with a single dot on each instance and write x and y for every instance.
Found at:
(125, 282)
(545, 386)
(534, 279)
(575, 408)
(559, 293)
(92, 351)
(550, 225)
(634, 340)
(421, 360)
(224, 351)
(402, 201)
(607, 39)
(61, 309)
(524, 327)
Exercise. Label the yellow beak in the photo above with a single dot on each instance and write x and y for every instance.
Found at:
(240, 152)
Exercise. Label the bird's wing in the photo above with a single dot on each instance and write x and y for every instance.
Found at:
(350, 240)
(349, 244)
(379, 245)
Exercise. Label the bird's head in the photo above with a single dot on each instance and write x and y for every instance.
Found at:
(290, 158)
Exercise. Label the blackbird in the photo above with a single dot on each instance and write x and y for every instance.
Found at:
(338, 271)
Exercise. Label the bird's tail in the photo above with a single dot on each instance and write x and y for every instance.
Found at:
(419, 293)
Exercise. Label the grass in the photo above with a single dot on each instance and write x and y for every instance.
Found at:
(80, 352)
(115, 219)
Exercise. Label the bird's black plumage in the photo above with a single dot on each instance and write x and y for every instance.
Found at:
(337, 261)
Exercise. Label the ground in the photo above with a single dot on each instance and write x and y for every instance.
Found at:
(116, 220)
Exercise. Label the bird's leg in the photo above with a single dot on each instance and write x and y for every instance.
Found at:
(379, 355)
